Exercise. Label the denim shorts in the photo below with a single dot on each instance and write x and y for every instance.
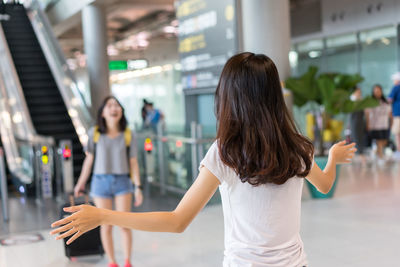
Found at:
(110, 185)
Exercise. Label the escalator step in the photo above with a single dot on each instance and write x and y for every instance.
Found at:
(32, 92)
(39, 84)
(27, 63)
(47, 110)
(26, 49)
(34, 69)
(46, 101)
(52, 127)
(40, 76)
(28, 56)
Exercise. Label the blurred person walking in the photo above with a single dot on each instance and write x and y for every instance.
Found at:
(144, 114)
(112, 151)
(154, 117)
(358, 131)
(394, 98)
(378, 122)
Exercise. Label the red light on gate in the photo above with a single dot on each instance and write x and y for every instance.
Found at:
(66, 153)
(179, 143)
(148, 145)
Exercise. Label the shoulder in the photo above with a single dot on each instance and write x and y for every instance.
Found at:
(212, 161)
(395, 89)
(213, 151)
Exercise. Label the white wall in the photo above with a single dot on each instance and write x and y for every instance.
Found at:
(346, 16)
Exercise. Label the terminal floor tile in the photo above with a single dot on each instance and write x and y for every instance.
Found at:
(359, 227)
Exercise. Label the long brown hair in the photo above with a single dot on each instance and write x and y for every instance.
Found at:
(256, 133)
(101, 122)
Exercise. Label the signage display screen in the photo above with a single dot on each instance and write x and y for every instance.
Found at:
(207, 38)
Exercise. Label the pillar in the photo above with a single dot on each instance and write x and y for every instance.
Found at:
(94, 29)
(265, 28)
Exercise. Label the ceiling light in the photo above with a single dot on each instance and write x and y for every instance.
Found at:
(112, 50)
(170, 29)
(385, 40)
(142, 43)
(314, 54)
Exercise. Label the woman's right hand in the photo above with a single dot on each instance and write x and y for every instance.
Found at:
(83, 219)
(342, 153)
(79, 189)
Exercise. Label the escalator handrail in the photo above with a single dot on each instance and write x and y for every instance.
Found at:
(36, 140)
(64, 77)
(14, 84)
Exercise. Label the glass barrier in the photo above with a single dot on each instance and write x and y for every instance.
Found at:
(75, 102)
(171, 162)
(26, 158)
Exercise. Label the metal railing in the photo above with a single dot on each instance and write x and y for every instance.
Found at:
(172, 164)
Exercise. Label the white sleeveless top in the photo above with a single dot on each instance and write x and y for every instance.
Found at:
(262, 223)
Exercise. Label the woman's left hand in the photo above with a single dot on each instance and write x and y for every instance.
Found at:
(83, 219)
(138, 197)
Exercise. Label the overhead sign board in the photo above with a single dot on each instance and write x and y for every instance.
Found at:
(207, 38)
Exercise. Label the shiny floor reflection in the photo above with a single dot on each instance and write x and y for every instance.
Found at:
(358, 227)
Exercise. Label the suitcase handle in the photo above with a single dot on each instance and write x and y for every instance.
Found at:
(72, 198)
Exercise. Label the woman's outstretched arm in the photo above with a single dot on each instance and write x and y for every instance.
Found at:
(85, 217)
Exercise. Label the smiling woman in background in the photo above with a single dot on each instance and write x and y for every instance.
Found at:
(112, 149)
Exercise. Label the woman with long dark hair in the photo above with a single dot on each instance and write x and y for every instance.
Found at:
(112, 151)
(259, 161)
(378, 122)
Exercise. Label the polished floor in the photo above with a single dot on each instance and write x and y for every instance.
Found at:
(359, 227)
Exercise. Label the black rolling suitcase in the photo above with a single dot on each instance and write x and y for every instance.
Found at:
(87, 244)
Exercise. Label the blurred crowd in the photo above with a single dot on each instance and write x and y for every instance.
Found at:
(375, 127)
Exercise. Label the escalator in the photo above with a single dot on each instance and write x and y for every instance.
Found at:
(46, 105)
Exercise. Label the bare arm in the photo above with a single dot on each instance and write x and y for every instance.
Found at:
(87, 217)
(366, 113)
(84, 176)
(339, 153)
(135, 176)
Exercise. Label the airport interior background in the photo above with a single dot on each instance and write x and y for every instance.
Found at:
(60, 58)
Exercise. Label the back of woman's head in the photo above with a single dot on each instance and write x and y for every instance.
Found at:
(256, 134)
(101, 121)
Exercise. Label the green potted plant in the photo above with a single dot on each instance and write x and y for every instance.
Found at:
(326, 95)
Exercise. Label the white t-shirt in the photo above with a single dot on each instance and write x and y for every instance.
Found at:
(378, 117)
(262, 223)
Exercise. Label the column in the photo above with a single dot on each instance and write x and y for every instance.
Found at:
(265, 28)
(95, 43)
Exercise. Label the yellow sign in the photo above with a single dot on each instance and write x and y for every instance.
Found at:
(190, 7)
(192, 43)
(229, 12)
(45, 159)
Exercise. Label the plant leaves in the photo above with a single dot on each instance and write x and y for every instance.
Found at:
(304, 88)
